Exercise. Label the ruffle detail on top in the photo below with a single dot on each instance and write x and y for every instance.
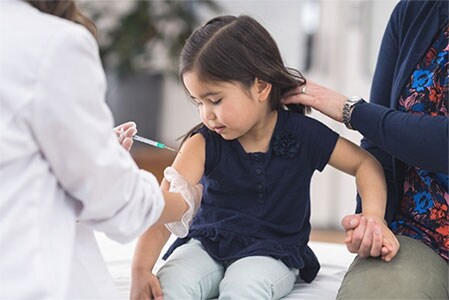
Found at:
(226, 246)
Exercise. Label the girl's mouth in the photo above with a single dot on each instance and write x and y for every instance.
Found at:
(219, 129)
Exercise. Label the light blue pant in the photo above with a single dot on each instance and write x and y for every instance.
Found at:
(190, 273)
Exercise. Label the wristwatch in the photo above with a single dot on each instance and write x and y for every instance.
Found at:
(347, 109)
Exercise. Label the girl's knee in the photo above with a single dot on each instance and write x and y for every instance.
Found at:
(176, 285)
(256, 287)
(245, 288)
(182, 283)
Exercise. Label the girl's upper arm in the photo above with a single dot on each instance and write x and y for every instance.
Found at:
(190, 160)
(347, 156)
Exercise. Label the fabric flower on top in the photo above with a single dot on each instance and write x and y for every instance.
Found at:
(285, 144)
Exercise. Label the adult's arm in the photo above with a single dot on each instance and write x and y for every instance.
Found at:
(73, 127)
(420, 141)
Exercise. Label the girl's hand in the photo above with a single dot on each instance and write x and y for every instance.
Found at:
(362, 236)
(125, 133)
(369, 236)
(145, 285)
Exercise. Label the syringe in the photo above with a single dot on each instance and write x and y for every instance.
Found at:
(152, 143)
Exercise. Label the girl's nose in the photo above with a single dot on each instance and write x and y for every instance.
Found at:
(209, 114)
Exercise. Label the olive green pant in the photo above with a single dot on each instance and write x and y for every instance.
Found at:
(417, 272)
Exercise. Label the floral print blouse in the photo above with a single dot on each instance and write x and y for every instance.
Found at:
(423, 213)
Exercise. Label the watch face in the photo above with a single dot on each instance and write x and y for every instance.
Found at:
(354, 99)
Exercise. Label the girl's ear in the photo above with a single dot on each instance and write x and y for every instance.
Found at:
(263, 89)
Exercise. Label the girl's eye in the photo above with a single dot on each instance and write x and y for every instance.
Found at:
(215, 102)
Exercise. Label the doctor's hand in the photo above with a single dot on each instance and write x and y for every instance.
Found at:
(145, 285)
(318, 97)
(369, 236)
(125, 133)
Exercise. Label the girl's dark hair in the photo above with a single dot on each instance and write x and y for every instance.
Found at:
(65, 9)
(239, 49)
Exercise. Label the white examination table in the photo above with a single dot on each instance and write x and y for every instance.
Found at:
(334, 260)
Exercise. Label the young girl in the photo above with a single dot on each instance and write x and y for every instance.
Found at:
(255, 160)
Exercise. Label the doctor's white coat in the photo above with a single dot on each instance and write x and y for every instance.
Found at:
(63, 173)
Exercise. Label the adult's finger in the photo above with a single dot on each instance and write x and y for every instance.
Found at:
(376, 247)
(357, 236)
(367, 240)
(127, 143)
(392, 250)
(350, 221)
(304, 99)
(130, 132)
(127, 125)
(348, 236)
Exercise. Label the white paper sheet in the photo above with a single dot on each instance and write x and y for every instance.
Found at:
(334, 260)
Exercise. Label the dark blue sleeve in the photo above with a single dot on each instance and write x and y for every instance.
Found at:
(420, 141)
(319, 142)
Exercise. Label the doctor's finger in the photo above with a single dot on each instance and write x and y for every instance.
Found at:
(127, 143)
(126, 126)
(130, 132)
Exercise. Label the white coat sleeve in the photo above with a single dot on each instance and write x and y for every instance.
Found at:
(73, 127)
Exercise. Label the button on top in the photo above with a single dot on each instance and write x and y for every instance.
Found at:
(256, 156)
(258, 171)
(260, 196)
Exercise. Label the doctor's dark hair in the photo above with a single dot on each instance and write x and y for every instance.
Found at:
(239, 49)
(66, 9)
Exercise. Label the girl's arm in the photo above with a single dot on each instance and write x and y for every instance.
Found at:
(189, 163)
(190, 160)
(371, 186)
(144, 284)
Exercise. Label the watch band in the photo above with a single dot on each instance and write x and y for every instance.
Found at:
(347, 110)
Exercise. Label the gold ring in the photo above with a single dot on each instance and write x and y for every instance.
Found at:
(303, 90)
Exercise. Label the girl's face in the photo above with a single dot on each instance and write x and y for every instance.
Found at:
(226, 107)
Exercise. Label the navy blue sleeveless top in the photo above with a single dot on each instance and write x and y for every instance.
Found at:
(259, 203)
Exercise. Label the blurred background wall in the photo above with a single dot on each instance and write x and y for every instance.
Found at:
(333, 42)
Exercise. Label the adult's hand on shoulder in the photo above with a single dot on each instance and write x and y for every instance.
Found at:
(125, 133)
(323, 99)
